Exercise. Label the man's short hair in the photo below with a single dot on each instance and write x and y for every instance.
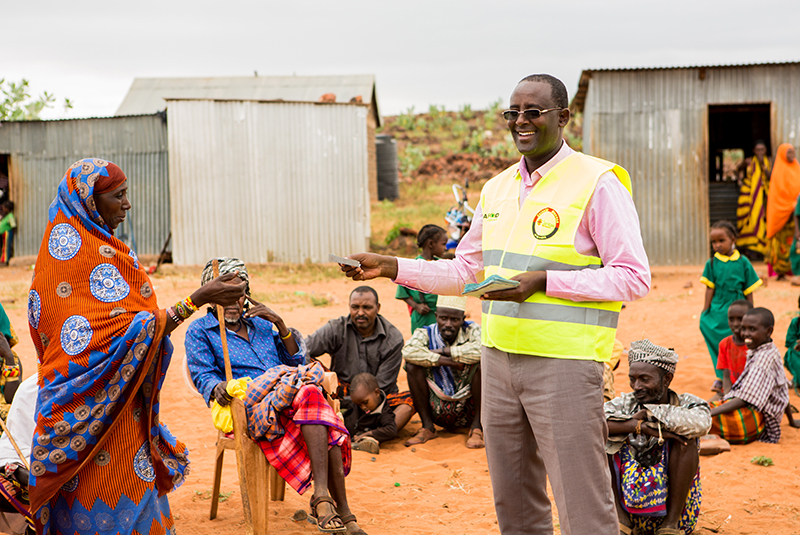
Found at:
(764, 315)
(558, 91)
(366, 380)
(365, 289)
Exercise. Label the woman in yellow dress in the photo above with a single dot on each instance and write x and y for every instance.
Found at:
(751, 213)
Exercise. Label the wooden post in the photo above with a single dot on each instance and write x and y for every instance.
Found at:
(242, 442)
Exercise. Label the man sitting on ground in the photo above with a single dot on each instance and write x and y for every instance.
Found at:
(444, 376)
(364, 342)
(653, 447)
(312, 443)
(760, 396)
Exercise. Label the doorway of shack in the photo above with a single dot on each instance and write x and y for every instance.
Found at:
(733, 129)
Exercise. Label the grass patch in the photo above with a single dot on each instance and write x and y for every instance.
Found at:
(206, 495)
(418, 205)
(295, 273)
(762, 461)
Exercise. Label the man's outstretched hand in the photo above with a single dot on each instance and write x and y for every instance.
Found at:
(372, 267)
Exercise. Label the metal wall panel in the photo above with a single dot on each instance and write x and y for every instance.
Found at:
(41, 151)
(284, 182)
(655, 124)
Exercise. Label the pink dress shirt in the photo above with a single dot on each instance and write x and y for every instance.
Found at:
(609, 229)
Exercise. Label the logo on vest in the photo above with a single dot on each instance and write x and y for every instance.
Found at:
(546, 223)
(494, 216)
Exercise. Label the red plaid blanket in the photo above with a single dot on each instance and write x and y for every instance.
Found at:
(288, 453)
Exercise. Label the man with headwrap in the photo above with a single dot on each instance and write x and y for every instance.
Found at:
(287, 412)
(653, 447)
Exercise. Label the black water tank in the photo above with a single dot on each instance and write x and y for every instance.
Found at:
(386, 153)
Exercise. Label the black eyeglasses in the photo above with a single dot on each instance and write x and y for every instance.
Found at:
(531, 114)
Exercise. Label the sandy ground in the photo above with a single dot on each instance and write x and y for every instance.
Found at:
(442, 487)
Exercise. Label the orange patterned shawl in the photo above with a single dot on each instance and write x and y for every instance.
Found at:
(100, 458)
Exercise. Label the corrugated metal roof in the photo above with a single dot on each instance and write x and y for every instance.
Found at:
(149, 95)
(579, 100)
(267, 181)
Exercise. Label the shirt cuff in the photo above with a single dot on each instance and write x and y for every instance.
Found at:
(560, 284)
(709, 283)
(407, 273)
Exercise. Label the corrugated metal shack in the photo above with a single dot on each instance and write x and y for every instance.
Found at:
(149, 95)
(38, 154)
(268, 181)
(671, 127)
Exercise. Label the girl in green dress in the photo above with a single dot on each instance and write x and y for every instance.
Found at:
(432, 239)
(792, 357)
(728, 276)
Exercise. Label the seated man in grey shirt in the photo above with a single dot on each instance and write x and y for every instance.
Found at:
(364, 341)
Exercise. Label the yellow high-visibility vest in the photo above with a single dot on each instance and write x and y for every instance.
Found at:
(541, 236)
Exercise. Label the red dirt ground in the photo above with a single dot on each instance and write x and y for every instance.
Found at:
(442, 487)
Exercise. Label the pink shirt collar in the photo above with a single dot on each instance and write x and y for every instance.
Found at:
(529, 179)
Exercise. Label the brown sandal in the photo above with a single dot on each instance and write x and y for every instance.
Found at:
(325, 520)
(346, 519)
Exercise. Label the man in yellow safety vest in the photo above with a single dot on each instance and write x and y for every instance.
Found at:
(564, 225)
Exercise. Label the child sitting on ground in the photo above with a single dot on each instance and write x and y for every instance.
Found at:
(732, 351)
(375, 418)
(757, 400)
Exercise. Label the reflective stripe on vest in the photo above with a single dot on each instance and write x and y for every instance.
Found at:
(541, 236)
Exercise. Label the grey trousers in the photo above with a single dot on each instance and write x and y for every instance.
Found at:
(543, 417)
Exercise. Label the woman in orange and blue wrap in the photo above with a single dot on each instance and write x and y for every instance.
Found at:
(101, 461)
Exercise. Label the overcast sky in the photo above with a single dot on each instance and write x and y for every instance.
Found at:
(422, 51)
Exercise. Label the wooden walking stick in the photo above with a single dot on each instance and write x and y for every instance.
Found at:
(14, 443)
(255, 512)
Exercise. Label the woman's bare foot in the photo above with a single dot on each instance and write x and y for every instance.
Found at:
(422, 436)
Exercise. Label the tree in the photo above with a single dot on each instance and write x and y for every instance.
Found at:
(17, 105)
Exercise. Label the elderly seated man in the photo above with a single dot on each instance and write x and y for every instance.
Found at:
(653, 447)
(444, 376)
(311, 443)
(364, 342)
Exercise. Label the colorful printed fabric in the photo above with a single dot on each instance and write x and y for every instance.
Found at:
(101, 461)
(400, 398)
(13, 492)
(643, 492)
(779, 250)
(7, 228)
(289, 453)
(741, 426)
(452, 414)
(273, 392)
(732, 278)
(751, 214)
(763, 385)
